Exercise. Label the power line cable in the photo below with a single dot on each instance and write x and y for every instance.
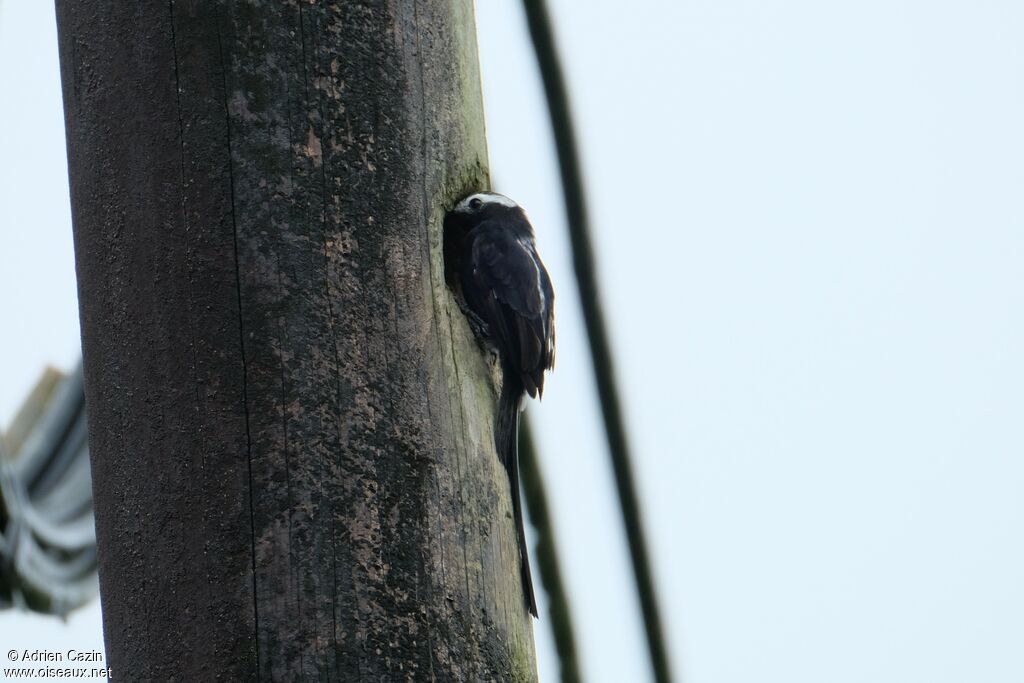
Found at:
(600, 350)
(547, 556)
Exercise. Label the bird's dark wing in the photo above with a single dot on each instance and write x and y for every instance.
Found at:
(515, 300)
(548, 361)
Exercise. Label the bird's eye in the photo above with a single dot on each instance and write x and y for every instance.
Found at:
(475, 203)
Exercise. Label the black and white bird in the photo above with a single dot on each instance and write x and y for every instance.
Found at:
(491, 257)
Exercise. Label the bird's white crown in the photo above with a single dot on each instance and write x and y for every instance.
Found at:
(468, 205)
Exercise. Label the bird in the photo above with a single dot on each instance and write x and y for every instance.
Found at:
(491, 261)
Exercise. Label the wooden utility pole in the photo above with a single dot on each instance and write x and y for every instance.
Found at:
(290, 420)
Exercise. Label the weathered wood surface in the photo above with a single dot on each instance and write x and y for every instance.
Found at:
(290, 421)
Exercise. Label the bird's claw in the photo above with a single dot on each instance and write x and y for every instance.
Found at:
(479, 327)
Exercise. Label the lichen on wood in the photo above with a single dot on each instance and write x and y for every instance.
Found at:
(290, 418)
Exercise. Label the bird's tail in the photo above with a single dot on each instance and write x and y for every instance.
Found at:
(506, 436)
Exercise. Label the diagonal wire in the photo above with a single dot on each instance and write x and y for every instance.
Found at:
(539, 515)
(547, 556)
(600, 351)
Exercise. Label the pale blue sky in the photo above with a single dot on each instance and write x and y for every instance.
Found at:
(38, 304)
(811, 236)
